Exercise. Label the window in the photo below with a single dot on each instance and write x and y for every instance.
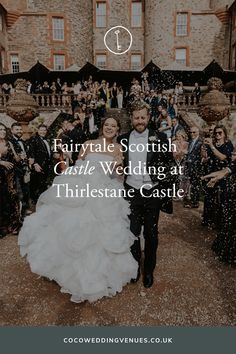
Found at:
(59, 62)
(2, 60)
(1, 23)
(181, 56)
(182, 25)
(136, 14)
(58, 29)
(101, 61)
(15, 66)
(1, 63)
(136, 61)
(233, 63)
(101, 14)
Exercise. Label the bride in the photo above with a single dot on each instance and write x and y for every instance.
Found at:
(83, 243)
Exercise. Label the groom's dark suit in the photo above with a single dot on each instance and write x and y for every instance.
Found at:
(145, 211)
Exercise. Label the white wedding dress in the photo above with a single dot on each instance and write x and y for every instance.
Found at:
(81, 243)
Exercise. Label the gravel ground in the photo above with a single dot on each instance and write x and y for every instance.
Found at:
(191, 287)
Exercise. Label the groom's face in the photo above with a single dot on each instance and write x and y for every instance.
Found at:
(140, 120)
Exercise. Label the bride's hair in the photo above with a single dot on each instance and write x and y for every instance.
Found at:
(116, 119)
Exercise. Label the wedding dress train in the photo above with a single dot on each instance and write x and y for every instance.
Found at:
(81, 243)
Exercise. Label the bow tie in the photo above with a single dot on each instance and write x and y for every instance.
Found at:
(141, 135)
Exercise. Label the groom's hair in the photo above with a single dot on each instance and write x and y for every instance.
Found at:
(138, 105)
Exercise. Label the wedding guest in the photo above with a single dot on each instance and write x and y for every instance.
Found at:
(145, 85)
(180, 154)
(22, 172)
(114, 92)
(53, 88)
(120, 97)
(5, 89)
(225, 243)
(29, 87)
(9, 202)
(193, 164)
(46, 88)
(108, 94)
(77, 88)
(172, 108)
(94, 123)
(58, 85)
(176, 127)
(165, 123)
(136, 86)
(216, 155)
(196, 92)
(40, 156)
(103, 91)
(154, 103)
(80, 131)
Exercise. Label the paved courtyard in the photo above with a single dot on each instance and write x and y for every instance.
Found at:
(191, 287)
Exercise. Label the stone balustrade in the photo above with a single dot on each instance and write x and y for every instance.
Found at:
(188, 101)
(44, 101)
(53, 101)
(60, 101)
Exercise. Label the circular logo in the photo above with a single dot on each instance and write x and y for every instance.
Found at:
(118, 40)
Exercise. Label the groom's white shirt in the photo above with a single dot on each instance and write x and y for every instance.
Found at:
(135, 157)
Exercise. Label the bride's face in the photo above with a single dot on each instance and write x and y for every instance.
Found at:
(110, 128)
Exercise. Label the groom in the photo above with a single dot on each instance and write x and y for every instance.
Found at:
(145, 210)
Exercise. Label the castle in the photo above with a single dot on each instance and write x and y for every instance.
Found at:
(64, 34)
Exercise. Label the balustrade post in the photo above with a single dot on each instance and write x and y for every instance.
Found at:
(4, 100)
(36, 97)
(59, 100)
(63, 100)
(53, 100)
(42, 100)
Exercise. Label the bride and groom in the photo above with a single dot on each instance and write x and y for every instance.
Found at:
(91, 246)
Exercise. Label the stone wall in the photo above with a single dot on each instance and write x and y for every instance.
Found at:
(205, 41)
(118, 13)
(220, 4)
(17, 5)
(31, 35)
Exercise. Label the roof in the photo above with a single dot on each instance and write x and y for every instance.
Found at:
(232, 5)
(73, 67)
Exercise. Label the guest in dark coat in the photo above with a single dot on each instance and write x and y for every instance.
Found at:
(225, 243)
(40, 156)
(103, 91)
(176, 126)
(21, 167)
(193, 164)
(9, 201)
